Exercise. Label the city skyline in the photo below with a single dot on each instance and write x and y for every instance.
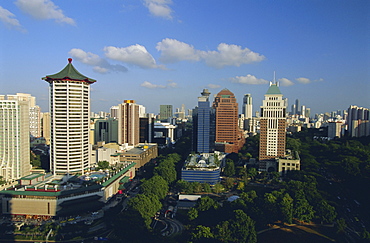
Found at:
(165, 52)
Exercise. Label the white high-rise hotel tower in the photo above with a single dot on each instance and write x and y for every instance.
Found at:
(69, 93)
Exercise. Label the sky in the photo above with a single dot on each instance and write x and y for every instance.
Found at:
(167, 51)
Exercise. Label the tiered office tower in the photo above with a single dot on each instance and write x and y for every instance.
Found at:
(227, 129)
(14, 137)
(272, 124)
(128, 123)
(69, 114)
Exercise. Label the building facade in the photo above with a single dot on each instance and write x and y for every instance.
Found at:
(228, 137)
(128, 123)
(165, 112)
(272, 124)
(45, 130)
(69, 93)
(14, 137)
(106, 130)
(204, 141)
(203, 167)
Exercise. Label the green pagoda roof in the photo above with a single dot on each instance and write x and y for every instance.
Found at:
(273, 90)
(69, 73)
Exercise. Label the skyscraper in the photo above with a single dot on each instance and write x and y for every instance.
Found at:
(297, 107)
(128, 123)
(69, 114)
(165, 112)
(247, 106)
(272, 124)
(46, 127)
(229, 138)
(203, 129)
(14, 137)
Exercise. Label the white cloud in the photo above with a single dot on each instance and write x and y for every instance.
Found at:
(100, 65)
(303, 80)
(149, 85)
(134, 54)
(226, 55)
(173, 51)
(171, 84)
(285, 82)
(44, 9)
(230, 55)
(248, 79)
(8, 18)
(213, 86)
(159, 8)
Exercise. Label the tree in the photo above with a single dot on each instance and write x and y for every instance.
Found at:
(192, 214)
(293, 144)
(205, 204)
(229, 183)
(241, 186)
(218, 188)
(286, 208)
(202, 232)
(183, 186)
(155, 185)
(167, 171)
(147, 205)
(242, 228)
(252, 172)
(103, 165)
(229, 168)
(206, 187)
(223, 232)
(197, 186)
(325, 212)
(302, 211)
(341, 225)
(249, 196)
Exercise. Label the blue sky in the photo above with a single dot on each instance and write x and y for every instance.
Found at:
(167, 51)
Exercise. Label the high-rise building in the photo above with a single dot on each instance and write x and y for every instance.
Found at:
(106, 130)
(165, 112)
(46, 127)
(203, 130)
(128, 123)
(334, 129)
(147, 128)
(247, 106)
(229, 138)
(297, 107)
(114, 112)
(14, 137)
(358, 124)
(272, 124)
(69, 93)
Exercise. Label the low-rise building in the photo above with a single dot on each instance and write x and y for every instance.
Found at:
(203, 168)
(140, 154)
(48, 195)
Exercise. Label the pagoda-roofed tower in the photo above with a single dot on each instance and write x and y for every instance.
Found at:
(69, 93)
